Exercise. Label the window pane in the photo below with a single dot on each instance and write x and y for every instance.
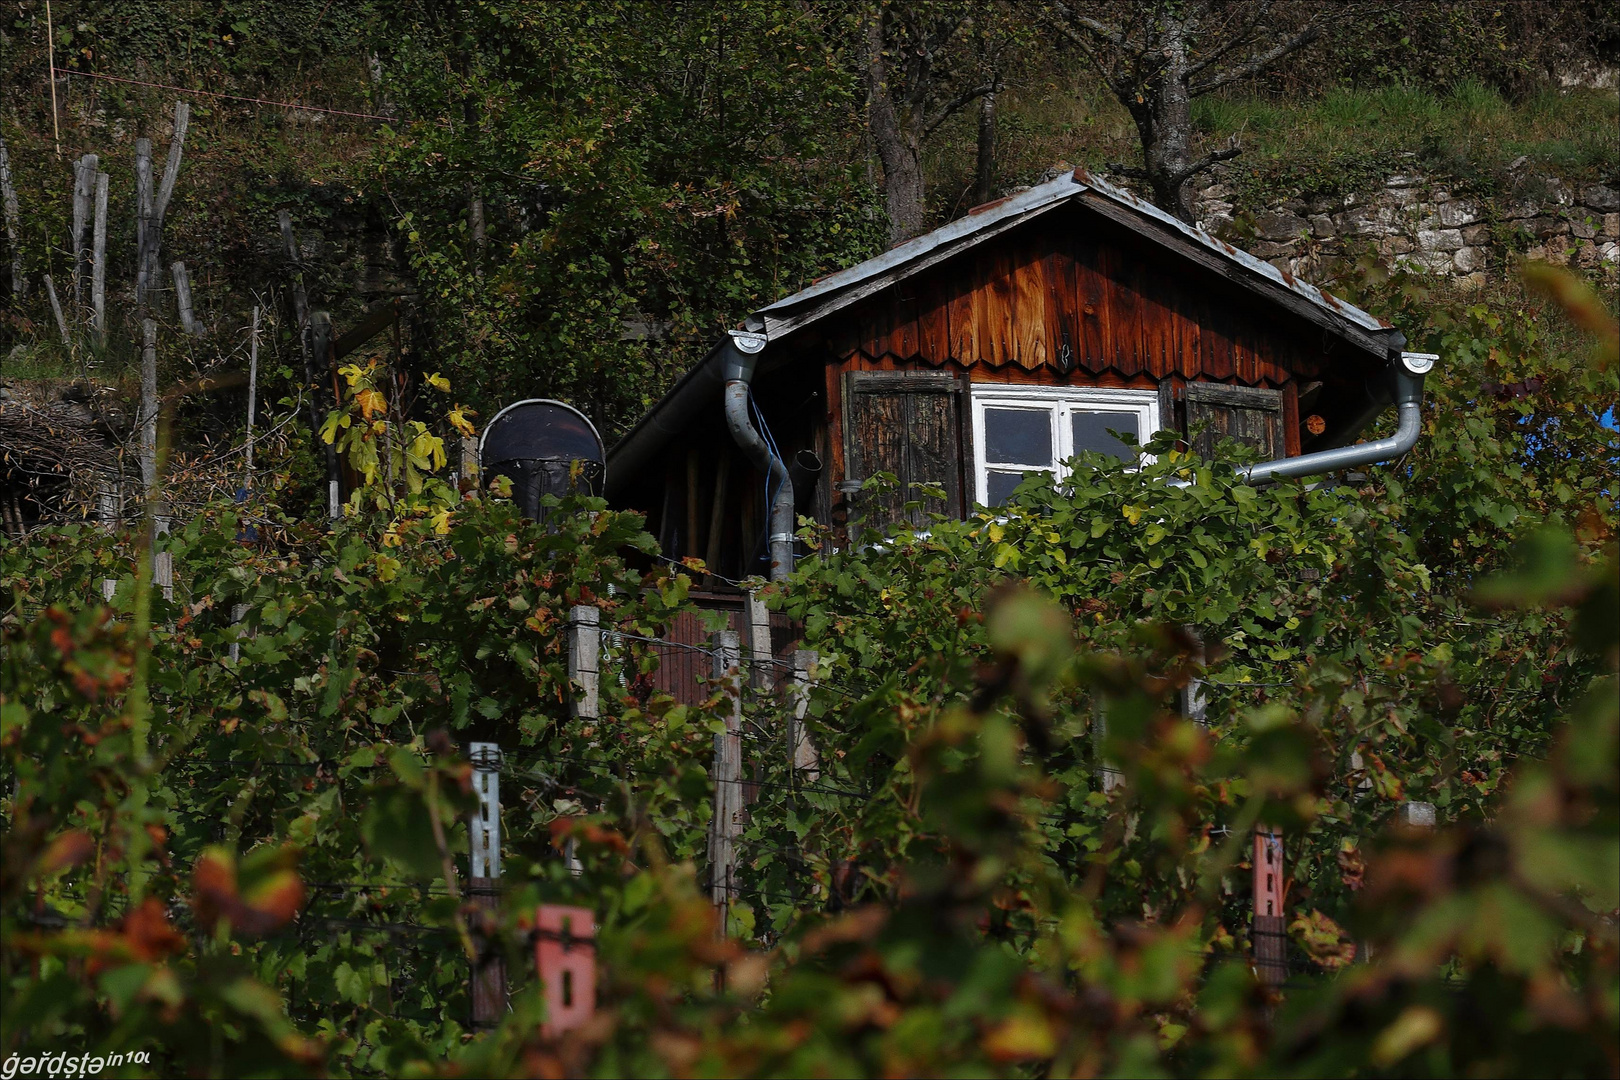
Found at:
(1091, 433)
(1021, 436)
(999, 486)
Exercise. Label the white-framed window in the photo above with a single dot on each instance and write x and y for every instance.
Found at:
(1021, 429)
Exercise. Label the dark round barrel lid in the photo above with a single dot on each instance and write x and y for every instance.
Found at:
(543, 429)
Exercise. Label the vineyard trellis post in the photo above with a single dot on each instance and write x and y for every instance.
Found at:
(1270, 927)
(585, 660)
(727, 776)
(488, 975)
(806, 762)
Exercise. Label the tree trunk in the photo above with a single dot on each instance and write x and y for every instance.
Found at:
(984, 188)
(1167, 139)
(899, 146)
(475, 228)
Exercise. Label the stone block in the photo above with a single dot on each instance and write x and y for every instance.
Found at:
(1395, 245)
(1601, 197)
(1458, 212)
(1560, 193)
(1264, 249)
(1322, 226)
(1404, 180)
(1583, 230)
(1543, 227)
(1476, 280)
(1439, 239)
(1611, 225)
(1468, 259)
(1609, 252)
(1418, 815)
(1279, 225)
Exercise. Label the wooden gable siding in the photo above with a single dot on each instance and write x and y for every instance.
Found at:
(1119, 304)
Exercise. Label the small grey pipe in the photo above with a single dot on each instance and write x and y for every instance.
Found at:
(739, 356)
(1406, 372)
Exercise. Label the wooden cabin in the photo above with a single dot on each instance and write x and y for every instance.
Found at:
(1006, 341)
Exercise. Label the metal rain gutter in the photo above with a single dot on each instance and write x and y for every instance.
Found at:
(737, 357)
(1406, 372)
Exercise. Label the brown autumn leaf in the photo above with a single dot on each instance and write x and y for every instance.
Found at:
(262, 894)
(67, 850)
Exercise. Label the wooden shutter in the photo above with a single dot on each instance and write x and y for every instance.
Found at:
(1245, 414)
(911, 426)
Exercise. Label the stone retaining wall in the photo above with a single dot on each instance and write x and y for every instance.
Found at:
(1418, 222)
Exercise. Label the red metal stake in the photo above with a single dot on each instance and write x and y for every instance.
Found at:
(565, 954)
(1270, 930)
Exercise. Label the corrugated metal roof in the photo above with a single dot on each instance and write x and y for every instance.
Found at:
(847, 286)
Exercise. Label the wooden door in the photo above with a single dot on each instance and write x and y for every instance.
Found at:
(909, 425)
(1250, 415)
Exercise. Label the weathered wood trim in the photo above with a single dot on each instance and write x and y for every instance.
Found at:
(1244, 397)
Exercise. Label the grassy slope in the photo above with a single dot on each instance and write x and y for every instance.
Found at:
(1344, 140)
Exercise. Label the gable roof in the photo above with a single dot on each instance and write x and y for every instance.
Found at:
(845, 287)
(839, 290)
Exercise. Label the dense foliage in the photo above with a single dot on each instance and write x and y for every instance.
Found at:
(235, 820)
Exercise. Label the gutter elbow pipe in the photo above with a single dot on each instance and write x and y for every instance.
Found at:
(1406, 372)
(738, 359)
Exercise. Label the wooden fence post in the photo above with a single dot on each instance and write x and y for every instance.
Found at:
(182, 300)
(727, 772)
(56, 309)
(1270, 929)
(1192, 699)
(163, 571)
(806, 762)
(584, 660)
(760, 653)
(13, 217)
(98, 264)
(483, 886)
(85, 171)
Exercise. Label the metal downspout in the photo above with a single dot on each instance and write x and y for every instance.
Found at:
(1406, 372)
(738, 358)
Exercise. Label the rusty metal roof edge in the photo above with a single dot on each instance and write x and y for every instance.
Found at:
(916, 250)
(783, 317)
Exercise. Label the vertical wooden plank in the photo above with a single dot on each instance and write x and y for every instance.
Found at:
(1290, 419)
(964, 347)
(933, 451)
(1091, 297)
(1031, 294)
(933, 320)
(993, 305)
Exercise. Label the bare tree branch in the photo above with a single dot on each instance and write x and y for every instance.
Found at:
(953, 106)
(1236, 40)
(1110, 34)
(1205, 162)
(1135, 172)
(1259, 63)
